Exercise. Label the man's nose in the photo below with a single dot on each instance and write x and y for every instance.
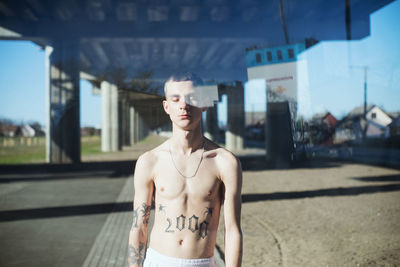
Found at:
(184, 102)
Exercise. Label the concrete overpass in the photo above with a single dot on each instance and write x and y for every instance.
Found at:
(113, 42)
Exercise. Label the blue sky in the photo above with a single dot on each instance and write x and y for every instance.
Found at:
(334, 86)
(334, 71)
(22, 86)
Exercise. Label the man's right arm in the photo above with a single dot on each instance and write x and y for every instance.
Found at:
(143, 186)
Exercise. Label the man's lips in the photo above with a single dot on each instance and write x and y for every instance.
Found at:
(184, 116)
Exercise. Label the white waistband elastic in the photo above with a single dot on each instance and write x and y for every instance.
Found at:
(154, 258)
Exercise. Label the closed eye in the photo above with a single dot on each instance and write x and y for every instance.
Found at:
(174, 98)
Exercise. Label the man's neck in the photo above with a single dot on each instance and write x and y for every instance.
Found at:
(186, 142)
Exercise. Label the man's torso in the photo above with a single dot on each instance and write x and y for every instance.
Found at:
(186, 209)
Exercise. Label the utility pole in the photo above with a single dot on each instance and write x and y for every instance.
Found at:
(348, 20)
(365, 102)
(365, 68)
(283, 22)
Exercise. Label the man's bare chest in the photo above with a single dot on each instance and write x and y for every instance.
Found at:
(171, 184)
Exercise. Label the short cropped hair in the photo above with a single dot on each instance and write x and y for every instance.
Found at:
(183, 77)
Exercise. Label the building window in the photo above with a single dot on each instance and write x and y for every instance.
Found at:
(291, 53)
(279, 53)
(258, 58)
(269, 56)
(373, 115)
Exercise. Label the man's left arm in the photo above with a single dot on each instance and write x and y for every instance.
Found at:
(232, 177)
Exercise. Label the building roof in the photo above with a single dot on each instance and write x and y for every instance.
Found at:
(359, 111)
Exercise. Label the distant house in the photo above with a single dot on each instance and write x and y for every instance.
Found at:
(322, 128)
(27, 131)
(351, 128)
(394, 126)
(9, 130)
(38, 129)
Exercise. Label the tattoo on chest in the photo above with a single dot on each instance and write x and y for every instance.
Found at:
(162, 208)
(192, 223)
(209, 211)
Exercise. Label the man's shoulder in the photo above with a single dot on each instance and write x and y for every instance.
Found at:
(145, 167)
(222, 156)
(152, 156)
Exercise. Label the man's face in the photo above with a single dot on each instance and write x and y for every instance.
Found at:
(181, 104)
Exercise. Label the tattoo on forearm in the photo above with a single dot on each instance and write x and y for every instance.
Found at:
(136, 255)
(146, 213)
(135, 218)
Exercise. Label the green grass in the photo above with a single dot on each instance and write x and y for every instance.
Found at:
(90, 145)
(36, 153)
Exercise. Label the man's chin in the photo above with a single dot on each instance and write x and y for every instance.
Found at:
(186, 125)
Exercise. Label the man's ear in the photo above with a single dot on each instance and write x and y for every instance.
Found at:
(165, 106)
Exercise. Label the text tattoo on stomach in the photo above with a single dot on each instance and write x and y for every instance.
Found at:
(192, 224)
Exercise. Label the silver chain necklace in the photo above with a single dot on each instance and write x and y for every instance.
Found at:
(198, 166)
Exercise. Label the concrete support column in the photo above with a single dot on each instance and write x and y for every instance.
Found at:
(105, 116)
(110, 135)
(132, 125)
(234, 135)
(63, 95)
(125, 128)
(136, 132)
(143, 129)
(135, 122)
(115, 145)
(48, 52)
(211, 123)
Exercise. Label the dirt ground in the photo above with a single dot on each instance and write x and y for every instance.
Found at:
(326, 214)
(331, 214)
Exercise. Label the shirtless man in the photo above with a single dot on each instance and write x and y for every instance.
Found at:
(190, 178)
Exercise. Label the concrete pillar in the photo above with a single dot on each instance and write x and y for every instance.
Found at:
(278, 134)
(125, 122)
(143, 128)
(132, 125)
(234, 135)
(211, 123)
(136, 126)
(115, 145)
(48, 51)
(105, 116)
(64, 143)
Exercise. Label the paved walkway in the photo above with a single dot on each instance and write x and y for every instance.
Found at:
(69, 215)
(316, 214)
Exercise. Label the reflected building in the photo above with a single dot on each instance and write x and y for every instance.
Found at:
(282, 71)
(309, 78)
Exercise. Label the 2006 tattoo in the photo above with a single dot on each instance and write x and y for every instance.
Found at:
(193, 225)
